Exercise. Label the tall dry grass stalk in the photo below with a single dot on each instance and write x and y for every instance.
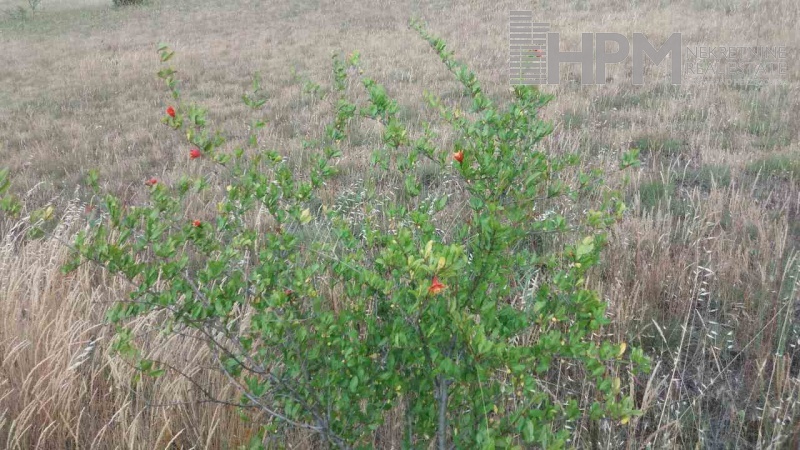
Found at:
(714, 301)
(61, 387)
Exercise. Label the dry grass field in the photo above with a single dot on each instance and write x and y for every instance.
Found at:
(701, 273)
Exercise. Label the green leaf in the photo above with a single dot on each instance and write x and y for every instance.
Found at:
(476, 203)
(441, 202)
(353, 384)
(528, 431)
(412, 188)
(630, 159)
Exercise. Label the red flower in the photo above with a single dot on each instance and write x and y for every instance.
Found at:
(194, 153)
(171, 111)
(197, 223)
(459, 156)
(151, 182)
(436, 286)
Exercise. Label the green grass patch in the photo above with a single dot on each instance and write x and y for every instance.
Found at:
(655, 195)
(729, 137)
(776, 166)
(633, 99)
(429, 175)
(574, 120)
(659, 145)
(725, 6)
(764, 120)
(49, 22)
(706, 177)
(620, 101)
(769, 132)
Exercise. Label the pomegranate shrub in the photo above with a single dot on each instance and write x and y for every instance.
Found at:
(465, 308)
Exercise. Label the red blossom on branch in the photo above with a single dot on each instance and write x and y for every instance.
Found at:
(436, 286)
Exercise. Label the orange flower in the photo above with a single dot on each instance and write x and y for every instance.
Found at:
(197, 223)
(436, 286)
(459, 156)
(151, 182)
(194, 153)
(171, 111)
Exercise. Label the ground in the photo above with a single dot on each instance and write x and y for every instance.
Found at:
(701, 272)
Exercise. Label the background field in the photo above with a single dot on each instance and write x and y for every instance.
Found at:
(701, 272)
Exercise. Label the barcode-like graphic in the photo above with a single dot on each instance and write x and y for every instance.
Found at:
(527, 44)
